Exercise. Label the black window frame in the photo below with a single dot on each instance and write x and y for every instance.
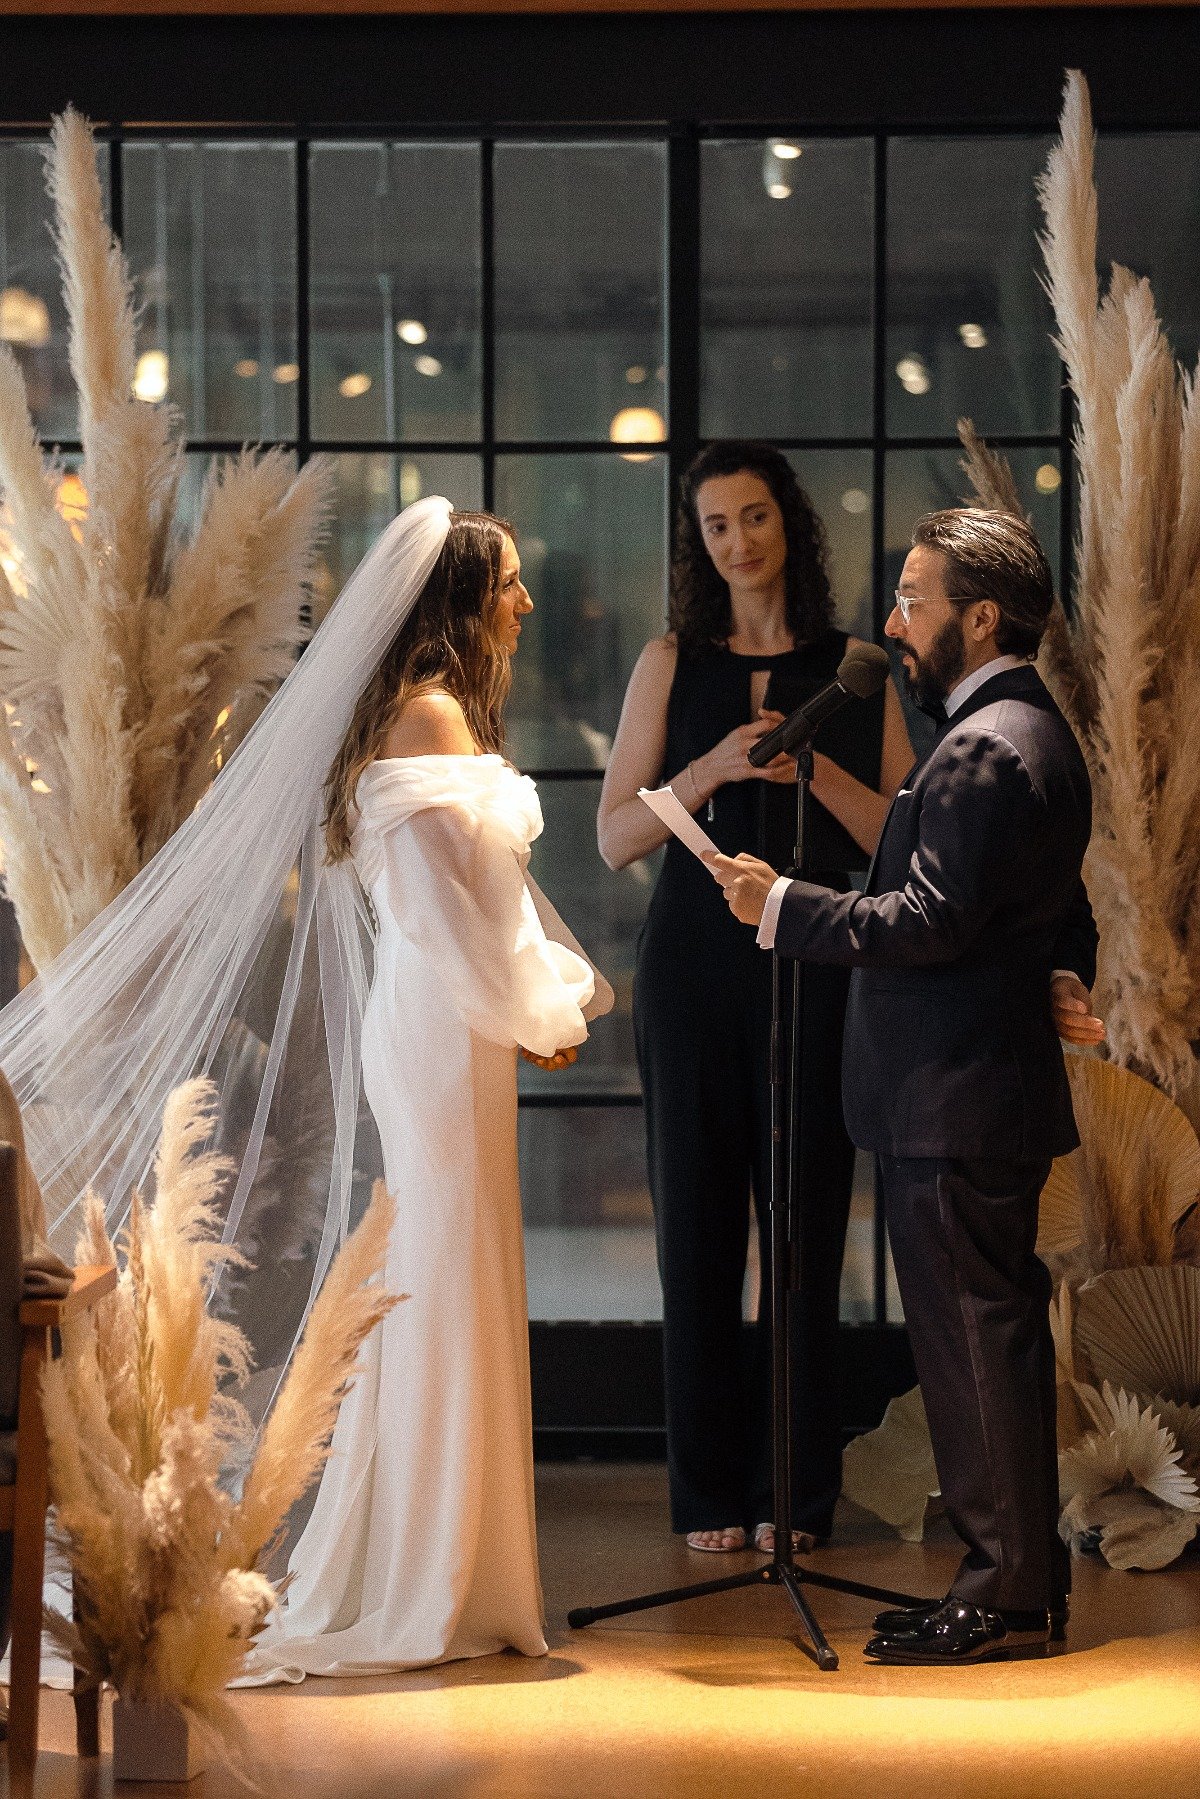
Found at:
(789, 72)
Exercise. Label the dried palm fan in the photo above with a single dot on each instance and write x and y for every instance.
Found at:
(1140, 1330)
(1128, 1195)
(1075, 1413)
(1183, 1421)
(1126, 1488)
(891, 1471)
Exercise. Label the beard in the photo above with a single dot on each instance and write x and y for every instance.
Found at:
(935, 674)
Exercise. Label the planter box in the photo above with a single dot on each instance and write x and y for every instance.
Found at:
(154, 1742)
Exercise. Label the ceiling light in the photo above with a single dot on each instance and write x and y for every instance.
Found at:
(785, 149)
(71, 503)
(411, 331)
(776, 172)
(1048, 479)
(353, 387)
(637, 425)
(973, 336)
(427, 365)
(410, 483)
(246, 369)
(914, 376)
(152, 376)
(24, 319)
(855, 500)
(635, 374)
(285, 373)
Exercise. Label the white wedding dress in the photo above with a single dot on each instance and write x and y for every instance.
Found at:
(421, 1545)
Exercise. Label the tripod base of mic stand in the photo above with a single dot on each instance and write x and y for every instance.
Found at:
(780, 1572)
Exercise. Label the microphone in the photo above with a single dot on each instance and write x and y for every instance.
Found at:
(862, 671)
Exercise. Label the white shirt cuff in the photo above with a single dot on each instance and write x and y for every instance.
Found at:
(1055, 972)
(770, 917)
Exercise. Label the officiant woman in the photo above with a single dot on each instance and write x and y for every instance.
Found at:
(751, 636)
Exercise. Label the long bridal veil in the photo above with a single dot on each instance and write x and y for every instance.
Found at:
(239, 954)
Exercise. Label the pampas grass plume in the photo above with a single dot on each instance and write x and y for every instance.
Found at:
(295, 1439)
(140, 1421)
(120, 647)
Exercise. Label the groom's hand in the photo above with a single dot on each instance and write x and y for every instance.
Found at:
(746, 883)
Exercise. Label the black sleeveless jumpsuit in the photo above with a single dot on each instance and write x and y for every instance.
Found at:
(702, 1007)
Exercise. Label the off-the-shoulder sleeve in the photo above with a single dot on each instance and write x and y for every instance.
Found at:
(456, 886)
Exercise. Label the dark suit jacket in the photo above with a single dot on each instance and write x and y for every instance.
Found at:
(973, 898)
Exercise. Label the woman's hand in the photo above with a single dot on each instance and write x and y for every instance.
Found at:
(562, 1058)
(1071, 1004)
(728, 760)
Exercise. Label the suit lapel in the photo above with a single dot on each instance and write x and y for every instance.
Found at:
(904, 787)
(1011, 684)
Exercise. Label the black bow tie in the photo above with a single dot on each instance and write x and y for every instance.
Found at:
(936, 710)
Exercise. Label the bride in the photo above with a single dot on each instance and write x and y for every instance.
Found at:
(349, 906)
(421, 1545)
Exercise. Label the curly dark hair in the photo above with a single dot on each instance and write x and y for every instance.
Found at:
(699, 612)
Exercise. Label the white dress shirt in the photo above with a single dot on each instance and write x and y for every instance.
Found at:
(954, 699)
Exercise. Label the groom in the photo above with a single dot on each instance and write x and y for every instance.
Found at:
(972, 939)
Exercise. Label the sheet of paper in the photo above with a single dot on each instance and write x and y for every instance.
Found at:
(678, 820)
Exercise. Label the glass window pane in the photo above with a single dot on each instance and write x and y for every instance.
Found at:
(210, 231)
(857, 1300)
(1149, 187)
(33, 319)
(605, 911)
(371, 488)
(968, 330)
(196, 464)
(592, 535)
(786, 287)
(395, 290)
(918, 481)
(589, 1239)
(580, 245)
(838, 482)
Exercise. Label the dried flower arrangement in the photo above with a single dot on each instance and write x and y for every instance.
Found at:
(131, 663)
(1120, 1218)
(144, 1423)
(1119, 1230)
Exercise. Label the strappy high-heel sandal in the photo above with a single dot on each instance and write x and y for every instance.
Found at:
(764, 1540)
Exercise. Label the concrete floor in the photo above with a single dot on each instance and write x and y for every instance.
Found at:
(716, 1699)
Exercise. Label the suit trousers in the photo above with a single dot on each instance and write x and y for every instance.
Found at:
(976, 1301)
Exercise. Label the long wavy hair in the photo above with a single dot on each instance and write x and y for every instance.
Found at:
(447, 642)
(700, 614)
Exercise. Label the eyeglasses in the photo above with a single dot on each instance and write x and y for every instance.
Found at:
(906, 601)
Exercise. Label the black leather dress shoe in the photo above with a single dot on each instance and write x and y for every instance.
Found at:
(957, 1634)
(890, 1624)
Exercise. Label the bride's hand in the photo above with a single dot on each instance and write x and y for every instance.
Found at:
(562, 1058)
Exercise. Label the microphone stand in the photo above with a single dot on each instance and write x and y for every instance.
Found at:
(785, 1212)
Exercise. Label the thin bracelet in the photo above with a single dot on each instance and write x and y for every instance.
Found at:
(696, 800)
